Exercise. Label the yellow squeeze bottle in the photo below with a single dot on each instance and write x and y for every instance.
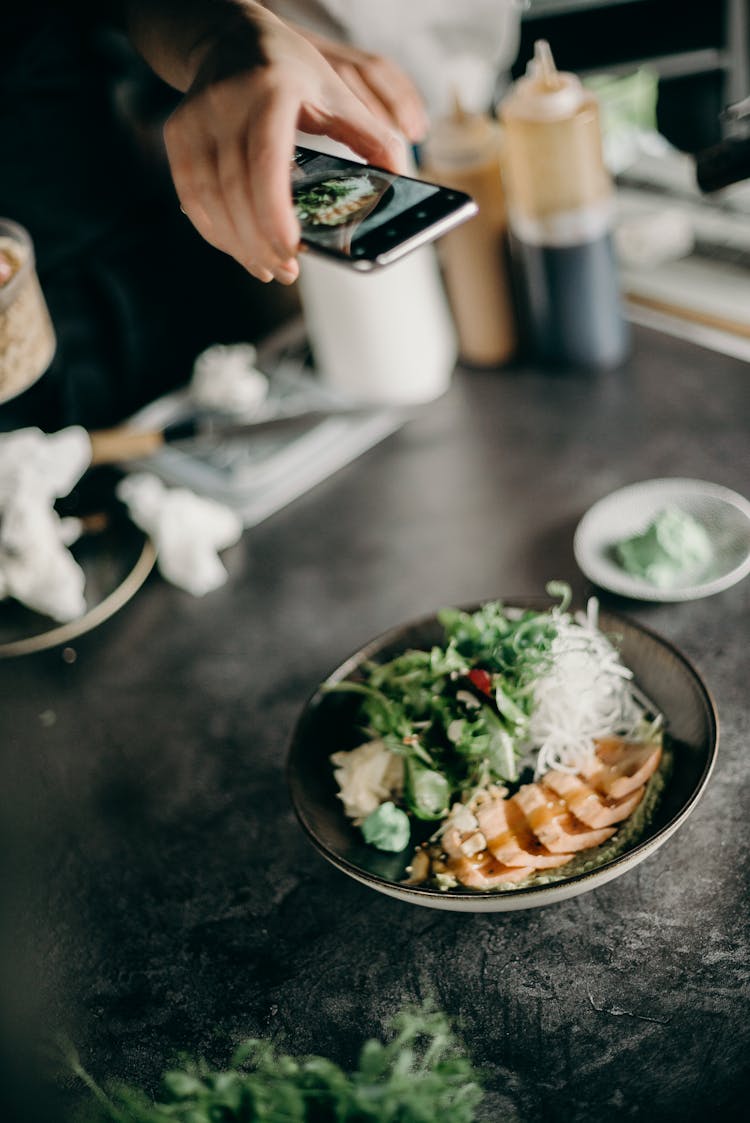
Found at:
(464, 151)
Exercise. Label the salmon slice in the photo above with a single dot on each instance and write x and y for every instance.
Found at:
(509, 837)
(622, 766)
(483, 872)
(553, 824)
(479, 870)
(589, 806)
(546, 823)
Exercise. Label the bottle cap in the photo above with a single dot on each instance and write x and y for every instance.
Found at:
(461, 138)
(544, 93)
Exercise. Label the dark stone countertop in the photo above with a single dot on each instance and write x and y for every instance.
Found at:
(168, 899)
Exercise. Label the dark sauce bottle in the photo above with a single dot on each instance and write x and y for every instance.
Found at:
(560, 212)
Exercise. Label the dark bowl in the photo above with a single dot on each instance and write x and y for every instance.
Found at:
(328, 724)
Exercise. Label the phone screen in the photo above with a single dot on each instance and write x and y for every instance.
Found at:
(366, 215)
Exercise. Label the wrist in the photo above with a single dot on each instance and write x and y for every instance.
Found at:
(178, 37)
(228, 47)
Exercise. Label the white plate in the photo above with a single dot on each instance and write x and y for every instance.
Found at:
(724, 513)
(115, 562)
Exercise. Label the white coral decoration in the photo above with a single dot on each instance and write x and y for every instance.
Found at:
(225, 378)
(187, 530)
(35, 565)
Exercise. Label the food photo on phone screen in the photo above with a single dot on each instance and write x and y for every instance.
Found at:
(367, 215)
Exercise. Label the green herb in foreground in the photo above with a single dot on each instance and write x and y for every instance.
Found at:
(419, 1076)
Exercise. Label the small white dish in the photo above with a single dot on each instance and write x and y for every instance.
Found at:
(724, 513)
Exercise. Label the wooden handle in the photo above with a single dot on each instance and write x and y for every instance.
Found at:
(682, 312)
(108, 446)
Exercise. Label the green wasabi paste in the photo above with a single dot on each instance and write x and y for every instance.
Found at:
(673, 545)
(387, 828)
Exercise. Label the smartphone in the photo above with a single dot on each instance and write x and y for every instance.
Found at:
(368, 217)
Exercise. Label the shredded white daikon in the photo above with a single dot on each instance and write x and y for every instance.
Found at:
(583, 693)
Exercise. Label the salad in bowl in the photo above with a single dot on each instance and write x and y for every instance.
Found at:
(522, 738)
(502, 755)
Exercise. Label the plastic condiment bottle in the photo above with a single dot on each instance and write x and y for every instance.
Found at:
(560, 216)
(464, 151)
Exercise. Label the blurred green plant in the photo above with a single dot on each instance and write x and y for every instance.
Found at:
(626, 100)
(420, 1075)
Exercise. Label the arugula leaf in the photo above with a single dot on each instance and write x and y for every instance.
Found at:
(414, 704)
(487, 748)
(514, 647)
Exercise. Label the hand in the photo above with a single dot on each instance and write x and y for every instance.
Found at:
(231, 140)
(381, 85)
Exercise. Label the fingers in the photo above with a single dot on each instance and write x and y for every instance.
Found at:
(196, 183)
(212, 180)
(350, 76)
(380, 84)
(269, 147)
(252, 248)
(343, 117)
(391, 91)
(381, 147)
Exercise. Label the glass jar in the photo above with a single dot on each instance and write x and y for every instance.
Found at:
(27, 338)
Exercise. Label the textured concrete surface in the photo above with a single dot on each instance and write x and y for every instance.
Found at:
(165, 898)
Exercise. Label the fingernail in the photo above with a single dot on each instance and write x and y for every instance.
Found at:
(286, 276)
(259, 272)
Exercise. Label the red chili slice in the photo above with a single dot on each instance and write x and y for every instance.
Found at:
(481, 679)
